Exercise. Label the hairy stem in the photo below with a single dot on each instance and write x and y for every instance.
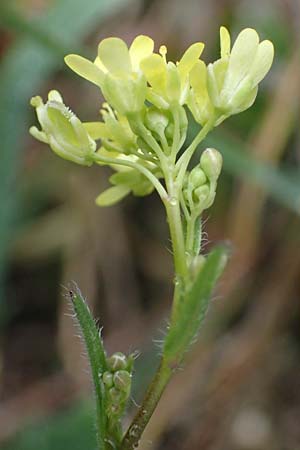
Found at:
(172, 205)
(152, 397)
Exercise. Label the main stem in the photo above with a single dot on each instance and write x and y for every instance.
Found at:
(164, 372)
(152, 397)
(174, 176)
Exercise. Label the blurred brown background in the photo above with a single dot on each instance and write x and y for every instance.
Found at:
(240, 389)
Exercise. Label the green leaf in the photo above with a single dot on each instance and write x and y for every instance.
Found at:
(96, 355)
(112, 195)
(193, 306)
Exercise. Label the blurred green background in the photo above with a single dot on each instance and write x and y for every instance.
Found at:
(240, 389)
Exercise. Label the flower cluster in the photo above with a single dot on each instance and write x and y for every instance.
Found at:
(144, 119)
(117, 384)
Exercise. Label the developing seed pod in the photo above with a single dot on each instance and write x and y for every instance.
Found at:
(117, 361)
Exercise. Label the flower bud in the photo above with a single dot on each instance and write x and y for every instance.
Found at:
(116, 396)
(201, 194)
(156, 120)
(170, 131)
(211, 163)
(107, 379)
(117, 361)
(122, 380)
(197, 177)
(197, 264)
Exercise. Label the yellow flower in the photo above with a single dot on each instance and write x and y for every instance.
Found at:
(116, 70)
(170, 82)
(198, 99)
(115, 132)
(62, 130)
(233, 79)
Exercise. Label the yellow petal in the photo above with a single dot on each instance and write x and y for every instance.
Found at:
(189, 59)
(198, 78)
(97, 130)
(225, 42)
(262, 62)
(99, 64)
(114, 55)
(38, 134)
(55, 96)
(112, 195)
(241, 58)
(173, 86)
(85, 68)
(155, 71)
(141, 48)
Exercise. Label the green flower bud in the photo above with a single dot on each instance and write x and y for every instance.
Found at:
(117, 361)
(211, 163)
(62, 130)
(122, 380)
(196, 177)
(107, 379)
(116, 396)
(170, 131)
(201, 194)
(197, 264)
(156, 120)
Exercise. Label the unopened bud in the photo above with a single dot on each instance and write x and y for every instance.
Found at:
(211, 162)
(122, 380)
(116, 396)
(156, 120)
(201, 194)
(117, 361)
(197, 177)
(107, 379)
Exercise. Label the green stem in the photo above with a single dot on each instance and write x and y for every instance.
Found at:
(139, 128)
(152, 397)
(134, 165)
(172, 205)
(183, 162)
(176, 136)
(190, 229)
